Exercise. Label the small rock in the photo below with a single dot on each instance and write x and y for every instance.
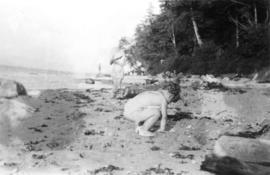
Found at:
(155, 148)
(89, 81)
(36, 156)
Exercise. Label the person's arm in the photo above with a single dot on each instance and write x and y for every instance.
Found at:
(113, 60)
(163, 116)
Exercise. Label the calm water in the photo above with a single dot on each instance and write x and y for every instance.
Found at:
(34, 79)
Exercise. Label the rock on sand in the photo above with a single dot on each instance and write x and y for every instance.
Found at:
(239, 156)
(10, 89)
(12, 109)
(245, 149)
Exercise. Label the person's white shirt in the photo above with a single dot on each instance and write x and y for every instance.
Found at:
(118, 61)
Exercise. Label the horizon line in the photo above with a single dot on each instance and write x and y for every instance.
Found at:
(43, 69)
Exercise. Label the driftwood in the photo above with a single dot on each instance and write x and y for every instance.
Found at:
(239, 156)
(262, 132)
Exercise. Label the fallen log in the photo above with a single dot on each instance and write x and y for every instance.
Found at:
(262, 132)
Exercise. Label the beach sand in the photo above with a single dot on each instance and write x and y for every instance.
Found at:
(65, 131)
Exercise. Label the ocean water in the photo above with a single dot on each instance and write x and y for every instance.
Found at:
(36, 79)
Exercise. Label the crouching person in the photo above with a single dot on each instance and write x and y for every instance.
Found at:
(147, 107)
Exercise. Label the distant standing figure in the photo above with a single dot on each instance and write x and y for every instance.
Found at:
(118, 61)
(149, 106)
(99, 68)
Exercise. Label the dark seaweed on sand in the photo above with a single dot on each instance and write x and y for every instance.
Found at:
(177, 155)
(158, 170)
(109, 169)
(188, 148)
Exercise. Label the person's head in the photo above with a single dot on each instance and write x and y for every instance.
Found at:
(174, 91)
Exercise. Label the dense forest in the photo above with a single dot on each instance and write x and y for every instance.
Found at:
(204, 37)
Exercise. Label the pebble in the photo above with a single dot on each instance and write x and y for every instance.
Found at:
(188, 127)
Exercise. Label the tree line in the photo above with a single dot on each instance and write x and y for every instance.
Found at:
(204, 37)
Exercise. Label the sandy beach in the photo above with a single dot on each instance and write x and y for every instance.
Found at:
(82, 131)
(74, 77)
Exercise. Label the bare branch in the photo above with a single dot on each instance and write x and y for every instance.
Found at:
(250, 22)
(237, 2)
(236, 22)
(233, 20)
(244, 27)
(255, 14)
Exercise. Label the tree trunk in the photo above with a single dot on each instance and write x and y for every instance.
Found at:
(173, 38)
(195, 27)
(267, 16)
(236, 34)
(255, 15)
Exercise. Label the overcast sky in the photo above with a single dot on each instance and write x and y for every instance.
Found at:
(74, 35)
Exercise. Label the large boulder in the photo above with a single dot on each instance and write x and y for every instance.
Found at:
(244, 149)
(10, 89)
(232, 166)
(263, 76)
(239, 156)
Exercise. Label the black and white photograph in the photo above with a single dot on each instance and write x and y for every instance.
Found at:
(135, 87)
